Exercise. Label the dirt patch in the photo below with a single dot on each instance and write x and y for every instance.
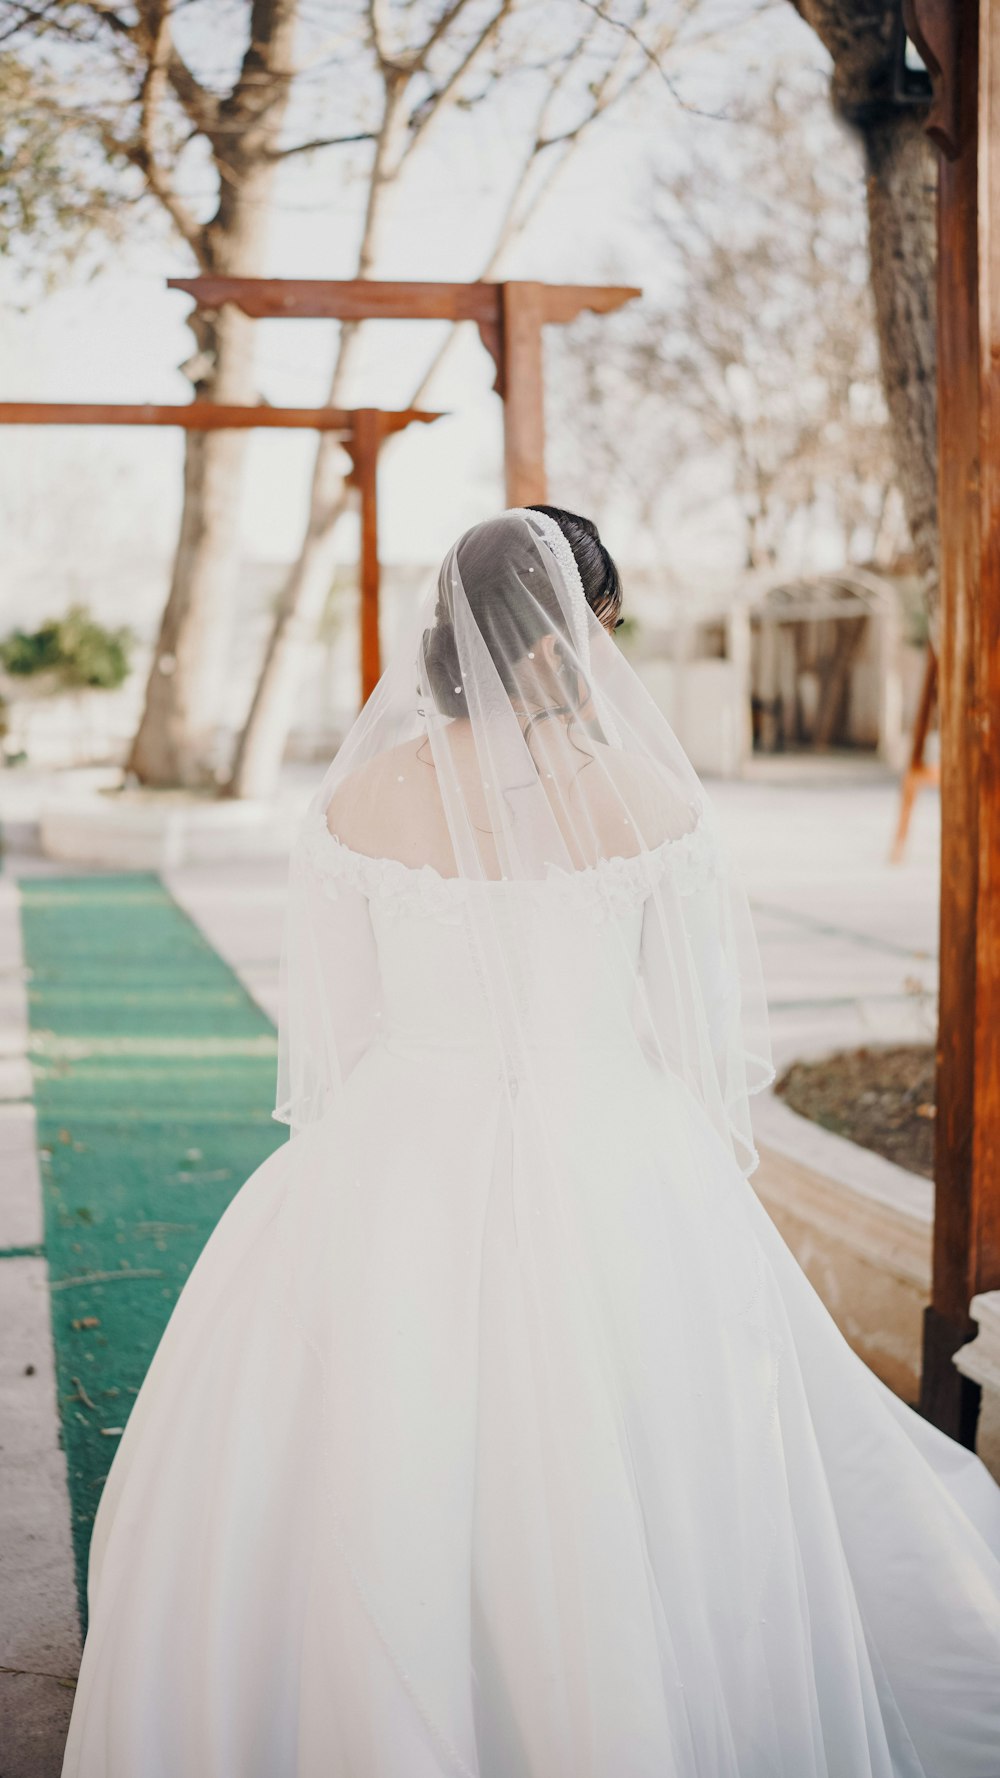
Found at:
(882, 1099)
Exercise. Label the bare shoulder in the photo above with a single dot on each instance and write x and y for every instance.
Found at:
(658, 799)
(365, 804)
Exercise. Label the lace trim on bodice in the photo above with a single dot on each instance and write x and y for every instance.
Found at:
(611, 886)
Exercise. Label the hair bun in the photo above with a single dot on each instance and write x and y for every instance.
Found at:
(441, 664)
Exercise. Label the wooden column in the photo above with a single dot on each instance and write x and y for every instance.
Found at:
(366, 437)
(967, 1165)
(523, 391)
(917, 772)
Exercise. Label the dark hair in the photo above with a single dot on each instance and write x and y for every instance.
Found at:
(602, 583)
(510, 628)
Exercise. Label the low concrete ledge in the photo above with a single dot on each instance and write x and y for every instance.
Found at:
(861, 1229)
(39, 1632)
(980, 1360)
(143, 830)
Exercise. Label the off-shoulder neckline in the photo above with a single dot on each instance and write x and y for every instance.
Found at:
(615, 864)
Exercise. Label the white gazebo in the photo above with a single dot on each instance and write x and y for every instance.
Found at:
(798, 665)
(825, 664)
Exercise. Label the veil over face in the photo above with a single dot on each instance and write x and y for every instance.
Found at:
(511, 759)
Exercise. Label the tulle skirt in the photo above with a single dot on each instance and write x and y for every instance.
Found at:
(498, 1433)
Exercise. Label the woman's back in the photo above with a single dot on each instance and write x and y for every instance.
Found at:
(604, 803)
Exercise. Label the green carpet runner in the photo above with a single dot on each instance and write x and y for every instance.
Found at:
(154, 1081)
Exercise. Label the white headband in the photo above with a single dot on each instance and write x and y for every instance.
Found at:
(558, 546)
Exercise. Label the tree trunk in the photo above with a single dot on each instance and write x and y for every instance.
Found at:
(261, 745)
(861, 37)
(902, 182)
(265, 734)
(173, 744)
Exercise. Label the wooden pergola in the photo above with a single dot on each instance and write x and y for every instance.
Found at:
(510, 317)
(361, 431)
(960, 45)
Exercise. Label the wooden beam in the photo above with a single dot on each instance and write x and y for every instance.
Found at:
(194, 416)
(375, 299)
(564, 302)
(343, 299)
(967, 1162)
(363, 430)
(397, 419)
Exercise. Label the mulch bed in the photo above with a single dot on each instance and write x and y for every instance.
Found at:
(882, 1099)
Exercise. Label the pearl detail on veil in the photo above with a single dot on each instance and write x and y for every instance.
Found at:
(558, 546)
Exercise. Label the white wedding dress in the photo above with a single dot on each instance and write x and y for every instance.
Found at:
(600, 1490)
(497, 1433)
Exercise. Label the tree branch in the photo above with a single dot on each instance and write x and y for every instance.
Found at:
(377, 32)
(265, 75)
(652, 57)
(426, 112)
(283, 154)
(31, 15)
(142, 151)
(200, 104)
(516, 217)
(447, 18)
(183, 219)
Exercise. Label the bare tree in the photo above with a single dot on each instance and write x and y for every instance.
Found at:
(864, 39)
(127, 80)
(589, 73)
(755, 374)
(41, 194)
(208, 154)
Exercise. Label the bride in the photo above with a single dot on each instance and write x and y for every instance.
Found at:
(496, 1432)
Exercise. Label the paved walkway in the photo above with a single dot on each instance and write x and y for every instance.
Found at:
(848, 944)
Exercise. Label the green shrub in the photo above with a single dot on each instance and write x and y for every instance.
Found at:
(78, 649)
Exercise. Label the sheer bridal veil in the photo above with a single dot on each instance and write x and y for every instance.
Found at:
(511, 773)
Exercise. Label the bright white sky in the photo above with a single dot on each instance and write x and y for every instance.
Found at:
(80, 500)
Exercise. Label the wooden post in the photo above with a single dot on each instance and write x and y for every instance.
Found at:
(967, 1164)
(366, 437)
(917, 772)
(523, 389)
(768, 682)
